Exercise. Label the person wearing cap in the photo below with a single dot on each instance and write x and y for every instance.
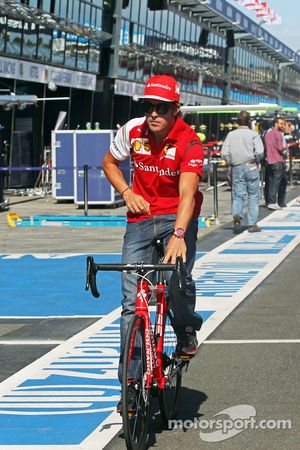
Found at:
(163, 203)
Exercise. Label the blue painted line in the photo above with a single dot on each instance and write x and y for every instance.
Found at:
(31, 286)
(33, 409)
(69, 221)
(251, 252)
(62, 405)
(66, 395)
(291, 217)
(286, 239)
(222, 284)
(267, 245)
(54, 286)
(79, 221)
(206, 314)
(51, 413)
(82, 218)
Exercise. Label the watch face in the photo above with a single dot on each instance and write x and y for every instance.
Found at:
(179, 232)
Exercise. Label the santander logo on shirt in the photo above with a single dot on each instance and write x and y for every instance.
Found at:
(162, 172)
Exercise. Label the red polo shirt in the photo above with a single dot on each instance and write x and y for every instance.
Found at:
(157, 167)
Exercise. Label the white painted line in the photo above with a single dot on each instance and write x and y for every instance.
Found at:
(57, 352)
(227, 305)
(211, 304)
(109, 428)
(253, 341)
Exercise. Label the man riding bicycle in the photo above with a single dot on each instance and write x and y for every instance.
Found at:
(163, 203)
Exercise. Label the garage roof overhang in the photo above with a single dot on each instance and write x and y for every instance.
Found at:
(222, 16)
(15, 10)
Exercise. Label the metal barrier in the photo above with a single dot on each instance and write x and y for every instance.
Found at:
(86, 188)
(213, 166)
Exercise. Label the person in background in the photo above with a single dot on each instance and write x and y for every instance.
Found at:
(243, 149)
(276, 172)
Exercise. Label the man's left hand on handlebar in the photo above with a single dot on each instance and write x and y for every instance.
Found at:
(176, 247)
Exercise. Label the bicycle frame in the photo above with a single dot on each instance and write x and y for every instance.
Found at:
(153, 341)
(136, 391)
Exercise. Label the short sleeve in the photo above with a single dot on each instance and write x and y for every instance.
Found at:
(192, 160)
(120, 146)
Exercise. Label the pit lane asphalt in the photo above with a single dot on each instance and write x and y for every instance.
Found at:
(263, 375)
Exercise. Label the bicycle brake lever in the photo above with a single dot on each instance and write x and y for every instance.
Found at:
(181, 271)
(91, 277)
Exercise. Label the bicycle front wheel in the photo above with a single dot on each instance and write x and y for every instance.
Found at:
(135, 395)
(172, 369)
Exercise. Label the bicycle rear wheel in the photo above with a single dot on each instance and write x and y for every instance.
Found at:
(172, 367)
(135, 414)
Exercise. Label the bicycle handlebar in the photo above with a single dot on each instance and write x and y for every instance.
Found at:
(141, 268)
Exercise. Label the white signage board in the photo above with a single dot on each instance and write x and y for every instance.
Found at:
(41, 73)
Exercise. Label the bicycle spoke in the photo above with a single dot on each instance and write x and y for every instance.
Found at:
(170, 396)
(135, 395)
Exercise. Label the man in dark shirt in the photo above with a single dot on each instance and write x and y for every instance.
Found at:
(275, 149)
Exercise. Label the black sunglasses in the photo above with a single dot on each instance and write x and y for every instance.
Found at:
(160, 108)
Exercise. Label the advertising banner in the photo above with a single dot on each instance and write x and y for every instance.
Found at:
(40, 73)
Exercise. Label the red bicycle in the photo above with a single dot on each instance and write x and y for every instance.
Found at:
(151, 366)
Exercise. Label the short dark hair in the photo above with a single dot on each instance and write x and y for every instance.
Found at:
(276, 119)
(243, 118)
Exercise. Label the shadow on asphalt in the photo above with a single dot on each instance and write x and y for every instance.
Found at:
(190, 404)
(191, 401)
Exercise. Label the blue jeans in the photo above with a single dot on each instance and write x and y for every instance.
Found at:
(245, 181)
(277, 183)
(139, 246)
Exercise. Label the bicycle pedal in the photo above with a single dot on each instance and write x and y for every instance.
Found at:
(186, 357)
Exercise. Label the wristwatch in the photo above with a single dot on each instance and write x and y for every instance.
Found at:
(179, 232)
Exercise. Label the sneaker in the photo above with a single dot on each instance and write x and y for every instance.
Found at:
(274, 206)
(237, 224)
(131, 399)
(282, 205)
(254, 229)
(187, 345)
